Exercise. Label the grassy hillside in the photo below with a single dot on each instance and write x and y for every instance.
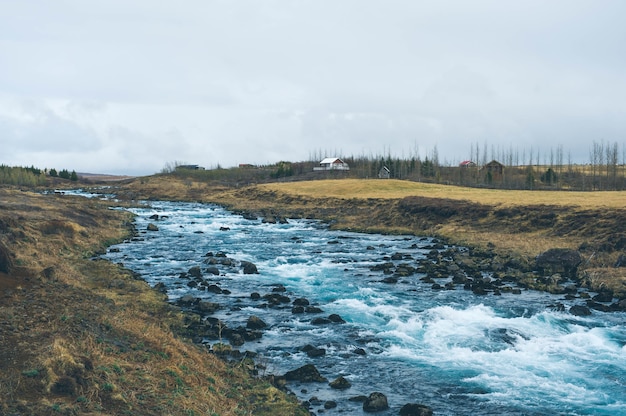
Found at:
(84, 336)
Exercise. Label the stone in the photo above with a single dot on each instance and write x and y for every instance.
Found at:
(414, 409)
(340, 383)
(195, 272)
(375, 402)
(213, 270)
(336, 319)
(579, 310)
(359, 351)
(254, 322)
(330, 404)
(305, 374)
(152, 227)
(559, 260)
(249, 267)
(207, 307)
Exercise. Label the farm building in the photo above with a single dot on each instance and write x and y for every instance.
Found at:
(467, 164)
(495, 169)
(384, 173)
(332, 163)
(189, 167)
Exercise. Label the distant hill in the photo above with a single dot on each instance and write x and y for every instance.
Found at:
(103, 177)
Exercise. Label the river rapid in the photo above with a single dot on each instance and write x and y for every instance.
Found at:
(459, 353)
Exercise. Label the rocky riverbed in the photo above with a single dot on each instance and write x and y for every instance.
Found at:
(375, 314)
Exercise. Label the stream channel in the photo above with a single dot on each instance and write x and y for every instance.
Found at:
(459, 353)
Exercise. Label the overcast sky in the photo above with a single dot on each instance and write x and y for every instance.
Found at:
(125, 87)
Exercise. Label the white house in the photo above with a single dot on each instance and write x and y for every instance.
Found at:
(332, 163)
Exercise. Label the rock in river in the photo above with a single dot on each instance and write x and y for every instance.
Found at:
(306, 373)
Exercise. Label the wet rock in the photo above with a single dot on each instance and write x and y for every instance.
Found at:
(382, 267)
(340, 383)
(152, 227)
(359, 351)
(414, 409)
(275, 299)
(375, 402)
(312, 309)
(605, 296)
(301, 302)
(313, 352)
(279, 289)
(330, 404)
(195, 272)
(249, 267)
(336, 319)
(297, 309)
(307, 373)
(236, 340)
(207, 307)
(619, 306)
(580, 310)
(254, 322)
(598, 306)
(359, 399)
(214, 289)
(213, 270)
(320, 321)
(224, 228)
(255, 296)
(249, 216)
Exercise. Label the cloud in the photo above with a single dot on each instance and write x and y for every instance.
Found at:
(132, 86)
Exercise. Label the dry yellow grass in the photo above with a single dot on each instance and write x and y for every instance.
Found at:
(395, 189)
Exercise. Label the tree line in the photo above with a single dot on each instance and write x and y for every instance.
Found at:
(513, 168)
(31, 176)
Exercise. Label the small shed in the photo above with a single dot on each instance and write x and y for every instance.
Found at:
(332, 163)
(467, 164)
(384, 173)
(495, 168)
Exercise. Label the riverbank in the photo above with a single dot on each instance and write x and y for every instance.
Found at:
(82, 336)
(505, 227)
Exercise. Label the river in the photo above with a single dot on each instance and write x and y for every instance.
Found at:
(459, 353)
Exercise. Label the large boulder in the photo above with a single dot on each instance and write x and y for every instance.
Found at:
(558, 260)
(375, 402)
(306, 373)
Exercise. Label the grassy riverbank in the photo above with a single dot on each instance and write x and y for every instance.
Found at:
(84, 336)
